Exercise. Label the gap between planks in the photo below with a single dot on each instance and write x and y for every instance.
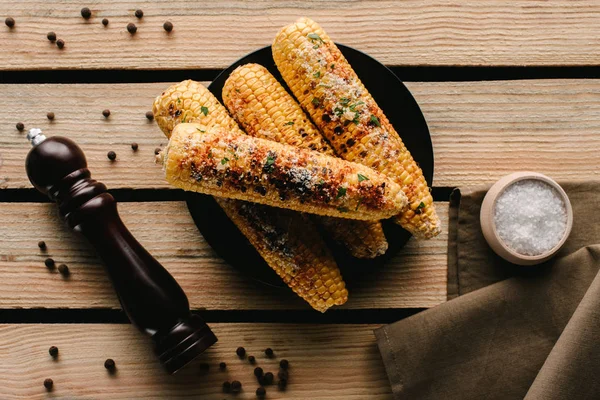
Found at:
(215, 34)
(414, 278)
(327, 362)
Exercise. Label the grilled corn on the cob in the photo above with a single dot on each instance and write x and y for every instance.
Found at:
(330, 91)
(264, 109)
(223, 164)
(299, 256)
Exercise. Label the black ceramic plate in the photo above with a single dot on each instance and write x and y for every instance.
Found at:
(403, 112)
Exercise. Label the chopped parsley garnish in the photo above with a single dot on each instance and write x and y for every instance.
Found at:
(344, 101)
(343, 209)
(317, 74)
(356, 117)
(200, 130)
(204, 110)
(341, 192)
(353, 106)
(269, 165)
(421, 205)
(321, 182)
(375, 121)
(338, 111)
(178, 101)
(183, 119)
(316, 39)
(359, 203)
(361, 178)
(316, 101)
(289, 123)
(332, 66)
(237, 90)
(210, 155)
(224, 161)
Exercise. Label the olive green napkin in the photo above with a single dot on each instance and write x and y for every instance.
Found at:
(510, 332)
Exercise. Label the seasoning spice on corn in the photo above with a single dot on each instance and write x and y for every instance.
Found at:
(330, 91)
(264, 109)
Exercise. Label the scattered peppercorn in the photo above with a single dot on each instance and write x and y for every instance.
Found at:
(252, 359)
(268, 378)
(42, 245)
(112, 156)
(150, 115)
(131, 28)
(109, 364)
(104, 21)
(86, 12)
(168, 26)
(134, 146)
(63, 269)
(139, 13)
(204, 367)
(51, 36)
(157, 150)
(226, 387)
(106, 113)
(10, 22)
(258, 372)
(20, 126)
(241, 352)
(50, 116)
(284, 364)
(282, 384)
(60, 43)
(261, 392)
(283, 374)
(53, 351)
(222, 366)
(49, 263)
(269, 352)
(236, 386)
(48, 383)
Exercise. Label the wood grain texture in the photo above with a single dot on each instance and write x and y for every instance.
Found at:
(327, 362)
(414, 277)
(480, 130)
(215, 34)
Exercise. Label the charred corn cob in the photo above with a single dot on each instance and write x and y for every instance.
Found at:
(290, 244)
(223, 164)
(330, 91)
(286, 240)
(263, 108)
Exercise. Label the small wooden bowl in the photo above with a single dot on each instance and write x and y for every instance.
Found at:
(488, 225)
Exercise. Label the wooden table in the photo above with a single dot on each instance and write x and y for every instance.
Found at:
(461, 60)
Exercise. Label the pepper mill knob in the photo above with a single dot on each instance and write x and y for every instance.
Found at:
(150, 296)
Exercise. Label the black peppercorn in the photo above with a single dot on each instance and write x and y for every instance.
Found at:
(112, 156)
(252, 359)
(10, 22)
(106, 113)
(157, 150)
(236, 386)
(139, 13)
(131, 28)
(51, 36)
(283, 374)
(168, 26)
(49, 263)
(53, 351)
(134, 146)
(63, 269)
(50, 116)
(241, 352)
(86, 12)
(269, 352)
(204, 367)
(261, 392)
(150, 115)
(268, 378)
(282, 384)
(222, 366)
(284, 364)
(48, 383)
(42, 245)
(20, 126)
(104, 21)
(258, 372)
(109, 364)
(226, 387)
(60, 43)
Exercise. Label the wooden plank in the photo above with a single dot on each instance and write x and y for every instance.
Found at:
(414, 277)
(327, 362)
(215, 34)
(480, 130)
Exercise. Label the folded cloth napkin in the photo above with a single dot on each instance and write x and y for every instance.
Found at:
(510, 332)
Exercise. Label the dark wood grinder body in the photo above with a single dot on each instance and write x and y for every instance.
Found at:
(150, 296)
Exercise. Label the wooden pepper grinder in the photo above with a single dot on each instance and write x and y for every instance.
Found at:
(150, 296)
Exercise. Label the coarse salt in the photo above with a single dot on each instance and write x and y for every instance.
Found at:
(530, 217)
